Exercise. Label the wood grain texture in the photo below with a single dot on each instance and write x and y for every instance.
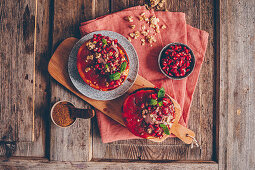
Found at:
(54, 165)
(17, 30)
(68, 143)
(237, 80)
(73, 143)
(37, 147)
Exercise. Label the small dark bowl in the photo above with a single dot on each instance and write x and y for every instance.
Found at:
(192, 64)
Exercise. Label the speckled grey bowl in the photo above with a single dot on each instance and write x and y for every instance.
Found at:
(92, 93)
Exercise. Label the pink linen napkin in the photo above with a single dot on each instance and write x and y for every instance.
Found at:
(176, 31)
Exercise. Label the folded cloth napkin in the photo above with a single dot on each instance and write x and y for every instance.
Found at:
(176, 31)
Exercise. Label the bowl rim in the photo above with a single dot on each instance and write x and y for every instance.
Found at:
(192, 55)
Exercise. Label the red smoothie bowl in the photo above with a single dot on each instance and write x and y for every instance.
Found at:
(176, 61)
(149, 113)
(102, 63)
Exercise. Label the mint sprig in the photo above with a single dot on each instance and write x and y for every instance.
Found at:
(153, 102)
(165, 128)
(115, 76)
(161, 92)
(123, 67)
(104, 41)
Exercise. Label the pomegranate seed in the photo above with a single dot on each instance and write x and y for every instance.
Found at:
(153, 96)
(112, 83)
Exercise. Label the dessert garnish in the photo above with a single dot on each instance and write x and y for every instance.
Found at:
(102, 63)
(147, 35)
(149, 113)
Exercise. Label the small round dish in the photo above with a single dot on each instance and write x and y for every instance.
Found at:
(92, 93)
(63, 102)
(179, 69)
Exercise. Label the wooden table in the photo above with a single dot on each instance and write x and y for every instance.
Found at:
(222, 112)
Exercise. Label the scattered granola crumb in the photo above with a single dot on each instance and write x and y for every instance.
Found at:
(155, 4)
(129, 39)
(150, 39)
(129, 18)
(132, 26)
(142, 14)
(142, 41)
(163, 27)
(140, 18)
(132, 35)
(146, 19)
(137, 34)
(144, 33)
(143, 27)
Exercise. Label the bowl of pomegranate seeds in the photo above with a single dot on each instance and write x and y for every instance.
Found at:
(149, 113)
(176, 61)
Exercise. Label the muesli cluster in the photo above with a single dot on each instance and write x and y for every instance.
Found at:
(145, 34)
(155, 4)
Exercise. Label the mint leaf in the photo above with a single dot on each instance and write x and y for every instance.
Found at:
(165, 128)
(123, 67)
(106, 66)
(153, 102)
(160, 103)
(104, 41)
(115, 76)
(161, 92)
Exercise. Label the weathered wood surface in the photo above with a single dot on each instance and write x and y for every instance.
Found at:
(17, 30)
(17, 50)
(54, 165)
(74, 143)
(202, 110)
(237, 82)
(233, 41)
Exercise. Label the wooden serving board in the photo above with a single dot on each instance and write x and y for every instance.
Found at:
(58, 70)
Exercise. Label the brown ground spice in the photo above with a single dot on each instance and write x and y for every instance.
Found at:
(61, 114)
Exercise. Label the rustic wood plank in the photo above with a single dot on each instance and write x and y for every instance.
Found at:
(237, 91)
(74, 143)
(45, 164)
(192, 14)
(207, 87)
(117, 5)
(37, 147)
(17, 30)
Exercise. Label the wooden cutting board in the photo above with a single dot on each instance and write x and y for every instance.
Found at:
(58, 70)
